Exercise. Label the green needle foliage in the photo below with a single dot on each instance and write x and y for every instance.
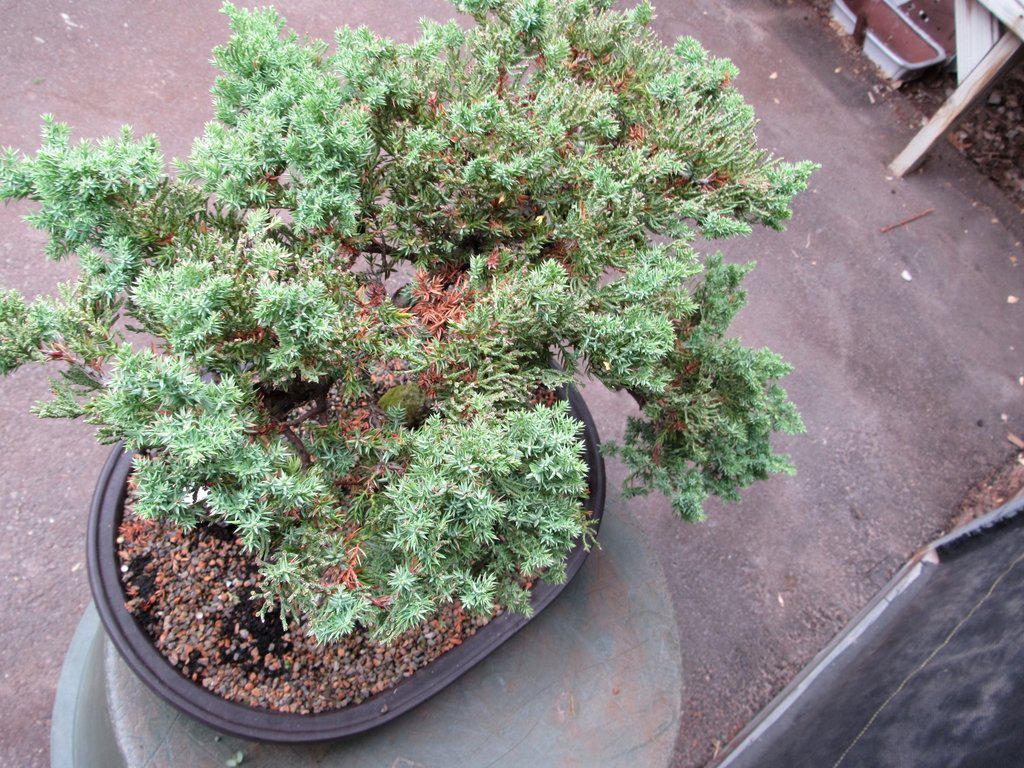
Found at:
(530, 185)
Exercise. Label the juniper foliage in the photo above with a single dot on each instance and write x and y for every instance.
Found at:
(538, 177)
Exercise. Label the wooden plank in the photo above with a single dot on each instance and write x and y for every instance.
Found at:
(1010, 12)
(996, 62)
(977, 30)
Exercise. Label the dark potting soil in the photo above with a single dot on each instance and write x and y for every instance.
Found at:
(196, 596)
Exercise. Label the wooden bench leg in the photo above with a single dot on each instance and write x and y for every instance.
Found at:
(977, 31)
(997, 61)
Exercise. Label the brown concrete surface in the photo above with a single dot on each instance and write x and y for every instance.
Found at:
(902, 384)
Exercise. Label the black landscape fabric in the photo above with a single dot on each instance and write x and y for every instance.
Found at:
(937, 680)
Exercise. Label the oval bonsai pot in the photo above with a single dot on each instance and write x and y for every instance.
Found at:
(247, 722)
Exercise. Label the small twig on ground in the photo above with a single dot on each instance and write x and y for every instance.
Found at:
(1015, 440)
(904, 223)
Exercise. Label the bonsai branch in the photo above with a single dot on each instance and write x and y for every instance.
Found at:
(378, 246)
(279, 402)
(318, 407)
(305, 457)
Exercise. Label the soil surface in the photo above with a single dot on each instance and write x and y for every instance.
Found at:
(991, 135)
(197, 596)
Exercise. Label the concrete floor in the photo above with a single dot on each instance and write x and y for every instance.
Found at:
(902, 384)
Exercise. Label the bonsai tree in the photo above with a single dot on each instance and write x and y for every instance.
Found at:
(332, 327)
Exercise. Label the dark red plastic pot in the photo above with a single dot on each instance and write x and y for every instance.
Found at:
(236, 719)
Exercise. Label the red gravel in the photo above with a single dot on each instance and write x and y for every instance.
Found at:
(195, 593)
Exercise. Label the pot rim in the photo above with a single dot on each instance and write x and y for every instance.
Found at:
(258, 724)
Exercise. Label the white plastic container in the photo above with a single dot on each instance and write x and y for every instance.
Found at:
(894, 66)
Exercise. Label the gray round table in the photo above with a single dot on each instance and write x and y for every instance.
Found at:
(593, 680)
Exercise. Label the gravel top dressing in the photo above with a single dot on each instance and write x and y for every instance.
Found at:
(196, 595)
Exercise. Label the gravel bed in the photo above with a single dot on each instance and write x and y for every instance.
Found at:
(194, 594)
